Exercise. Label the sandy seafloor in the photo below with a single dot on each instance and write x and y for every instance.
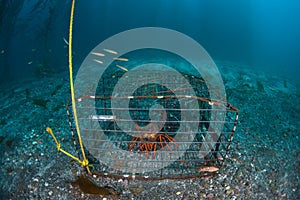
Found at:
(264, 161)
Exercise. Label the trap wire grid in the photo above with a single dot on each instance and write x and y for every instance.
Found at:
(163, 156)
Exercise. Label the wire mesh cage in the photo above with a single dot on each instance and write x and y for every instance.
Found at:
(157, 141)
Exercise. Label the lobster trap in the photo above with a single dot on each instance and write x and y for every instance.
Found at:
(154, 132)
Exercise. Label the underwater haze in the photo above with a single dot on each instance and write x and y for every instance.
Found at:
(263, 35)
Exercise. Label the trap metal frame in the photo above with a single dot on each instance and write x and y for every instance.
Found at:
(152, 145)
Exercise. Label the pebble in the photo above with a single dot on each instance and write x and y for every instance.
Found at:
(178, 193)
(138, 190)
(50, 193)
(228, 192)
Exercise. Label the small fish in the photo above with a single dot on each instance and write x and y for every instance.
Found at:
(121, 59)
(39, 141)
(110, 51)
(2, 51)
(33, 50)
(98, 61)
(209, 169)
(98, 54)
(121, 67)
(30, 62)
(66, 41)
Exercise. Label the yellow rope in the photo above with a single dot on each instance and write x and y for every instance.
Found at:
(84, 162)
(49, 130)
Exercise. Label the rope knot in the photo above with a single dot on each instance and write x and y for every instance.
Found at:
(85, 163)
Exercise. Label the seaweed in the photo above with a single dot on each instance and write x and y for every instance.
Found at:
(260, 86)
(9, 170)
(40, 102)
(58, 87)
(27, 92)
(3, 121)
(88, 186)
(57, 108)
(1, 138)
(284, 84)
(9, 143)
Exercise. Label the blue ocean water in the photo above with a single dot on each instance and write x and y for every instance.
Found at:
(261, 34)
